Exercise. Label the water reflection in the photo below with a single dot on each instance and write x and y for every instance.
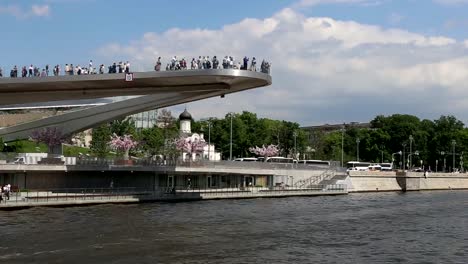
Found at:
(428, 227)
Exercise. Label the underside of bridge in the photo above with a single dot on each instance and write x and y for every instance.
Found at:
(156, 90)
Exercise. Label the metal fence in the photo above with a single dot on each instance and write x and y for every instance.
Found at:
(130, 194)
(200, 164)
(9, 158)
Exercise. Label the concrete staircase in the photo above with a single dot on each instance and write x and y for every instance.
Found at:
(316, 180)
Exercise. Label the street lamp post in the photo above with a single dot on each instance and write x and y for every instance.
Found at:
(453, 153)
(230, 141)
(443, 154)
(403, 160)
(410, 156)
(461, 162)
(342, 144)
(410, 151)
(382, 152)
(209, 140)
(295, 144)
(357, 149)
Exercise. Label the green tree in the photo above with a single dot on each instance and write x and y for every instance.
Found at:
(101, 137)
(170, 131)
(153, 140)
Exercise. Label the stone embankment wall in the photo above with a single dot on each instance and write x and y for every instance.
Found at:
(371, 181)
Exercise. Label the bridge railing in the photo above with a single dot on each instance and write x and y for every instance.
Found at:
(12, 158)
(200, 164)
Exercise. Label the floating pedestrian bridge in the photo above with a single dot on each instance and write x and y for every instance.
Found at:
(156, 90)
(75, 87)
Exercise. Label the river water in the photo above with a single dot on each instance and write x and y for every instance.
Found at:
(415, 227)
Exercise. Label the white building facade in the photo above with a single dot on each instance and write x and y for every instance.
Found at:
(209, 151)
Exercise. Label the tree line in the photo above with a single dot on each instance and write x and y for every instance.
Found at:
(429, 141)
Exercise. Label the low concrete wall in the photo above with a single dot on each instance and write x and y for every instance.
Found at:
(444, 181)
(371, 181)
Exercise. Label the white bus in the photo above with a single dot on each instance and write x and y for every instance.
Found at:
(280, 160)
(315, 162)
(246, 159)
(386, 166)
(358, 166)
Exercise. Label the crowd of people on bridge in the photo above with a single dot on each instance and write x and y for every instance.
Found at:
(69, 69)
(203, 62)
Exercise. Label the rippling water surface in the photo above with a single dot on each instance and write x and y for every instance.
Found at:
(419, 227)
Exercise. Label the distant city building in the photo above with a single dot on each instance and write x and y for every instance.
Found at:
(327, 128)
(83, 139)
(209, 151)
(146, 119)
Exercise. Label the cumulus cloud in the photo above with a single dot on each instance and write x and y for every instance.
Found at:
(19, 12)
(324, 70)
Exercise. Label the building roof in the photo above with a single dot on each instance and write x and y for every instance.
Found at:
(185, 115)
(334, 127)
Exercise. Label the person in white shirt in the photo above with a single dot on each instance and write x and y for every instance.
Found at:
(90, 64)
(204, 63)
(7, 191)
(173, 62)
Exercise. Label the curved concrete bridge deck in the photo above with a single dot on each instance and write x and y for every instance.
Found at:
(74, 87)
(160, 89)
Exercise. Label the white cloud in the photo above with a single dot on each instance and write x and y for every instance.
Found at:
(18, 12)
(40, 10)
(324, 70)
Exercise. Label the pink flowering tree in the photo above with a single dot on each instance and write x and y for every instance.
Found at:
(190, 146)
(51, 136)
(268, 151)
(123, 144)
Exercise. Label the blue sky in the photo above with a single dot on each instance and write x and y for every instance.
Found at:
(354, 50)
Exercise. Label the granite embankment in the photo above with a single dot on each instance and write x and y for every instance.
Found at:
(372, 181)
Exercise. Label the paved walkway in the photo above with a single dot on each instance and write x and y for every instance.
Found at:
(33, 199)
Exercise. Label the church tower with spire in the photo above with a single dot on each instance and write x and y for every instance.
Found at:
(185, 122)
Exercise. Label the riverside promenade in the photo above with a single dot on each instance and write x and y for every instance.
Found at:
(76, 197)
